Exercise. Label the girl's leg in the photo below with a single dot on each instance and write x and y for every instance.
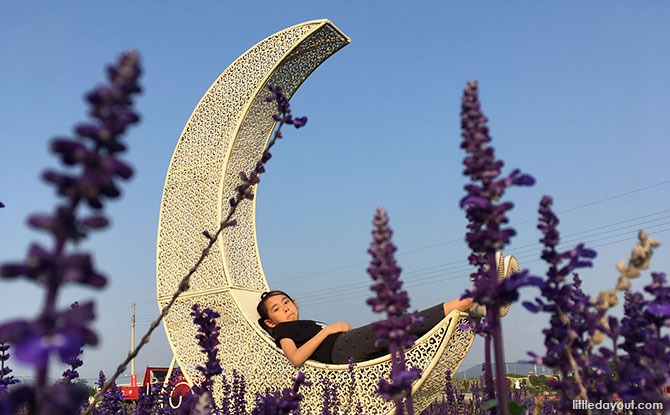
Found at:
(457, 304)
(434, 315)
(359, 343)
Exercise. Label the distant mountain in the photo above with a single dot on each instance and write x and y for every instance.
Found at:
(515, 368)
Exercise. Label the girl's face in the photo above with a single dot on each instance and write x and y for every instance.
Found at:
(280, 310)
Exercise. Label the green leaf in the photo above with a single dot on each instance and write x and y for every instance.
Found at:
(491, 403)
(515, 408)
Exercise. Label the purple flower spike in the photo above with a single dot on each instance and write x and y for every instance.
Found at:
(112, 402)
(643, 368)
(284, 108)
(6, 379)
(486, 213)
(574, 320)
(486, 189)
(299, 122)
(73, 360)
(90, 177)
(635, 367)
(208, 340)
(63, 334)
(286, 402)
(48, 268)
(391, 299)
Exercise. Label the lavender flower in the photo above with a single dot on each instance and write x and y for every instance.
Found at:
(642, 371)
(548, 408)
(573, 318)
(452, 402)
(284, 108)
(233, 399)
(476, 403)
(62, 333)
(331, 402)
(112, 401)
(635, 366)
(286, 402)
(486, 217)
(394, 330)
(71, 373)
(239, 392)
(226, 400)
(74, 360)
(208, 340)
(92, 178)
(486, 235)
(353, 403)
(148, 401)
(5, 379)
(389, 296)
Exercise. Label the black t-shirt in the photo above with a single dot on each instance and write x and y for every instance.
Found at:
(300, 332)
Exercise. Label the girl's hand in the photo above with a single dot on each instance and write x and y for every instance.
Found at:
(338, 327)
(298, 355)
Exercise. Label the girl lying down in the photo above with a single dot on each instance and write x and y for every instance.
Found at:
(338, 342)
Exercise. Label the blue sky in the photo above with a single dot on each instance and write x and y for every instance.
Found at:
(576, 95)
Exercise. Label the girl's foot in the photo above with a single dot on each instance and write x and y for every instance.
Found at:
(506, 267)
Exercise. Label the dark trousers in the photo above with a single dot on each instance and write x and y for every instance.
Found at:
(359, 344)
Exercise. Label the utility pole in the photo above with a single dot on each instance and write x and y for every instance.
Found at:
(133, 377)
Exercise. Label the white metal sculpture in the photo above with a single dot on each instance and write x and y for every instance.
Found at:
(225, 135)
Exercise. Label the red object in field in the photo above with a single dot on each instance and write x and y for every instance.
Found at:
(154, 375)
(131, 392)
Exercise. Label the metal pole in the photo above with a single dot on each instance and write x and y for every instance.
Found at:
(132, 339)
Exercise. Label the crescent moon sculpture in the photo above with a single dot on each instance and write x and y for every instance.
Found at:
(225, 135)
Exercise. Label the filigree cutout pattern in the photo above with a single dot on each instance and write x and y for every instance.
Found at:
(226, 135)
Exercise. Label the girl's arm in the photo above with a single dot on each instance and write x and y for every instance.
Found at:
(298, 355)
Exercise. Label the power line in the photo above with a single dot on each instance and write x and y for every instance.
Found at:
(516, 224)
(527, 254)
